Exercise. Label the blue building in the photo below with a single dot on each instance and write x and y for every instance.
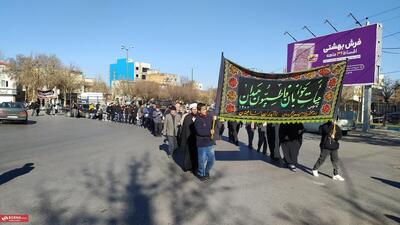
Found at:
(119, 71)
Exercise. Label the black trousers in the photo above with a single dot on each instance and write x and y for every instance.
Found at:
(221, 128)
(291, 151)
(233, 131)
(250, 135)
(271, 142)
(157, 129)
(262, 141)
(334, 159)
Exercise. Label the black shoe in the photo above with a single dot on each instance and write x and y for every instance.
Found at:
(202, 178)
(250, 147)
(237, 143)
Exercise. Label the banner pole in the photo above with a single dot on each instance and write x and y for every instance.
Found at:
(213, 126)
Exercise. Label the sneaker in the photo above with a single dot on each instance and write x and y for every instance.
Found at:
(292, 168)
(315, 173)
(338, 177)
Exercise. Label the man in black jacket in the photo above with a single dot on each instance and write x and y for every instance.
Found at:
(205, 150)
(330, 136)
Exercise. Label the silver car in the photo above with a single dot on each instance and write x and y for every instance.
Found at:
(13, 111)
(346, 122)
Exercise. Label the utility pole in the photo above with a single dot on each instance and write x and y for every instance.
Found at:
(367, 101)
(192, 74)
(123, 47)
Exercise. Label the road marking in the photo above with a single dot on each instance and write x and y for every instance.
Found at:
(319, 183)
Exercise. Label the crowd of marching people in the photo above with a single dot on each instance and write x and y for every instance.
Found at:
(192, 130)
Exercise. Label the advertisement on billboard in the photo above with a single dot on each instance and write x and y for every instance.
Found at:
(360, 46)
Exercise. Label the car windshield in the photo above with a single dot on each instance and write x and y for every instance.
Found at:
(346, 115)
(11, 105)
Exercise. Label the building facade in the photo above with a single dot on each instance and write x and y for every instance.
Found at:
(8, 86)
(123, 70)
(141, 70)
(165, 79)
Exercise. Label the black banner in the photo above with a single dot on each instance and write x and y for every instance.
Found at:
(260, 96)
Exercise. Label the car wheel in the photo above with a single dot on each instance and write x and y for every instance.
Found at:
(344, 132)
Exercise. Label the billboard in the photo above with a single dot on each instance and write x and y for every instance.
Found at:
(361, 47)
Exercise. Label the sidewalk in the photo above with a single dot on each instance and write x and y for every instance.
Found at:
(376, 132)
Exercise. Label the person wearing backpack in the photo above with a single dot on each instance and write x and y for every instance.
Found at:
(330, 136)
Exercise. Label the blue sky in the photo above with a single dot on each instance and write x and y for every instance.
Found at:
(176, 35)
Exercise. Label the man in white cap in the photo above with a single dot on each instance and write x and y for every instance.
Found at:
(188, 139)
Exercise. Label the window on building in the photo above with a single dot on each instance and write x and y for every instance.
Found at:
(2, 83)
(143, 77)
(144, 70)
(6, 83)
(137, 68)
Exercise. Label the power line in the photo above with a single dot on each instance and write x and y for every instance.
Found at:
(396, 71)
(392, 48)
(389, 19)
(389, 35)
(392, 32)
(383, 12)
(395, 53)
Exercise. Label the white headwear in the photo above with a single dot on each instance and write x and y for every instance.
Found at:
(193, 105)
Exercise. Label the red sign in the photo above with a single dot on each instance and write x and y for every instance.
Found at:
(13, 218)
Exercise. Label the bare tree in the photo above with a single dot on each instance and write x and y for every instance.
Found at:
(100, 86)
(25, 70)
(147, 89)
(71, 81)
(388, 89)
(208, 96)
(346, 98)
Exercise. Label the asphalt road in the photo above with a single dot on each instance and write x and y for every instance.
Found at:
(62, 170)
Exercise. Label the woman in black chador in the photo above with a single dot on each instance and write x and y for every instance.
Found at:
(291, 138)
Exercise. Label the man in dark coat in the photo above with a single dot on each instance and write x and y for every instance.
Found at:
(220, 128)
(330, 136)
(188, 140)
(291, 138)
(157, 121)
(233, 128)
(250, 128)
(274, 153)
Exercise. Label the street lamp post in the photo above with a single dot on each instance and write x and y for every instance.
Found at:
(123, 47)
